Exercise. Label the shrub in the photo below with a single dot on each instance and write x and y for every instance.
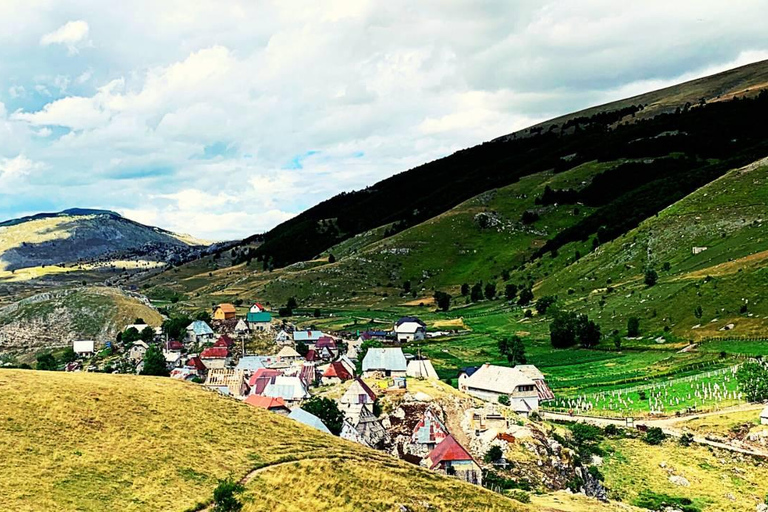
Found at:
(493, 454)
(504, 399)
(520, 496)
(611, 430)
(633, 327)
(595, 472)
(686, 439)
(659, 501)
(654, 436)
(651, 276)
(225, 496)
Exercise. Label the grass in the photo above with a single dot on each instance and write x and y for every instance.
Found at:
(116, 442)
(718, 480)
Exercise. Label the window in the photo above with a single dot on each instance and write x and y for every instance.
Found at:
(525, 388)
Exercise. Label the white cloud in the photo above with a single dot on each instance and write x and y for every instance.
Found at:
(231, 117)
(73, 35)
(14, 170)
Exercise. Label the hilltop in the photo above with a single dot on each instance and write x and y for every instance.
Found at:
(117, 442)
(78, 241)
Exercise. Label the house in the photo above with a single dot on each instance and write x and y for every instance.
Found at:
(227, 381)
(174, 346)
(421, 369)
(225, 341)
(384, 362)
(288, 354)
(199, 332)
(266, 402)
(137, 351)
(369, 427)
(312, 356)
(172, 359)
(215, 357)
(197, 364)
(183, 373)
(241, 328)
(84, 347)
(428, 432)
(353, 348)
(335, 374)
(308, 419)
(410, 328)
(224, 311)
(350, 433)
(290, 389)
(259, 319)
(764, 416)
(308, 337)
(261, 378)
(282, 337)
(357, 395)
(326, 342)
(249, 364)
(490, 382)
(450, 457)
(348, 364)
(533, 373)
(308, 375)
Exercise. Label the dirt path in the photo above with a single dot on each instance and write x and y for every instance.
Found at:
(668, 426)
(252, 474)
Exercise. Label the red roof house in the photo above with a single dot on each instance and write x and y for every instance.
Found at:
(336, 372)
(175, 345)
(325, 342)
(261, 378)
(449, 453)
(215, 353)
(312, 355)
(224, 341)
(197, 364)
(274, 404)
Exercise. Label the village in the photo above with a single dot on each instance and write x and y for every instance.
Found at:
(377, 394)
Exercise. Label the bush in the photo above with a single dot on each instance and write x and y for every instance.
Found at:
(504, 399)
(520, 496)
(654, 436)
(595, 472)
(686, 439)
(225, 496)
(493, 454)
(659, 501)
(611, 430)
(327, 411)
(651, 276)
(633, 327)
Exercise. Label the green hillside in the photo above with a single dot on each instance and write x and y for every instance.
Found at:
(117, 442)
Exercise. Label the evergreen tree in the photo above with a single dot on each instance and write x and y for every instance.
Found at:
(328, 412)
(154, 362)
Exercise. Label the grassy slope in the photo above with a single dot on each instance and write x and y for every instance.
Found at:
(97, 442)
(729, 217)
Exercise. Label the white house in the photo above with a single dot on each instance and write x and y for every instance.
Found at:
(421, 369)
(290, 389)
(490, 382)
(410, 328)
(138, 349)
(384, 362)
(83, 347)
(282, 337)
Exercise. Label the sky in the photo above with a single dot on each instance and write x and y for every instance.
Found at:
(221, 119)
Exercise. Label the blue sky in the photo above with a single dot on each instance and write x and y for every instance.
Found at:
(224, 118)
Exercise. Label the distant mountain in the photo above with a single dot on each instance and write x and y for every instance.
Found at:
(603, 132)
(81, 235)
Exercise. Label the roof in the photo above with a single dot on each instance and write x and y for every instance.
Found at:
(391, 359)
(175, 345)
(325, 342)
(249, 363)
(469, 370)
(200, 328)
(241, 326)
(312, 355)
(337, 369)
(358, 393)
(227, 307)
(421, 369)
(140, 343)
(265, 402)
(426, 430)
(448, 450)
(224, 341)
(409, 327)
(261, 316)
(499, 379)
(215, 353)
(83, 345)
(256, 307)
(261, 378)
(306, 418)
(288, 352)
(288, 388)
(307, 335)
(409, 319)
(196, 363)
(530, 371)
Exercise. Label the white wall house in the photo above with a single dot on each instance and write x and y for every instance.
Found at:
(490, 382)
(410, 329)
(84, 347)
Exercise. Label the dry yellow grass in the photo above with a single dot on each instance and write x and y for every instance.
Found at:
(116, 442)
(567, 502)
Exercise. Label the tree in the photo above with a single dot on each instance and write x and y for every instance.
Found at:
(651, 276)
(617, 341)
(562, 330)
(513, 349)
(292, 304)
(464, 290)
(176, 328)
(407, 287)
(443, 300)
(139, 321)
(154, 362)
(493, 454)
(510, 291)
(633, 327)
(476, 294)
(203, 316)
(526, 296)
(753, 380)
(68, 355)
(490, 291)
(302, 348)
(698, 312)
(46, 362)
(542, 305)
(587, 332)
(130, 335)
(328, 412)
(285, 312)
(147, 334)
(331, 258)
(654, 436)
(225, 496)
